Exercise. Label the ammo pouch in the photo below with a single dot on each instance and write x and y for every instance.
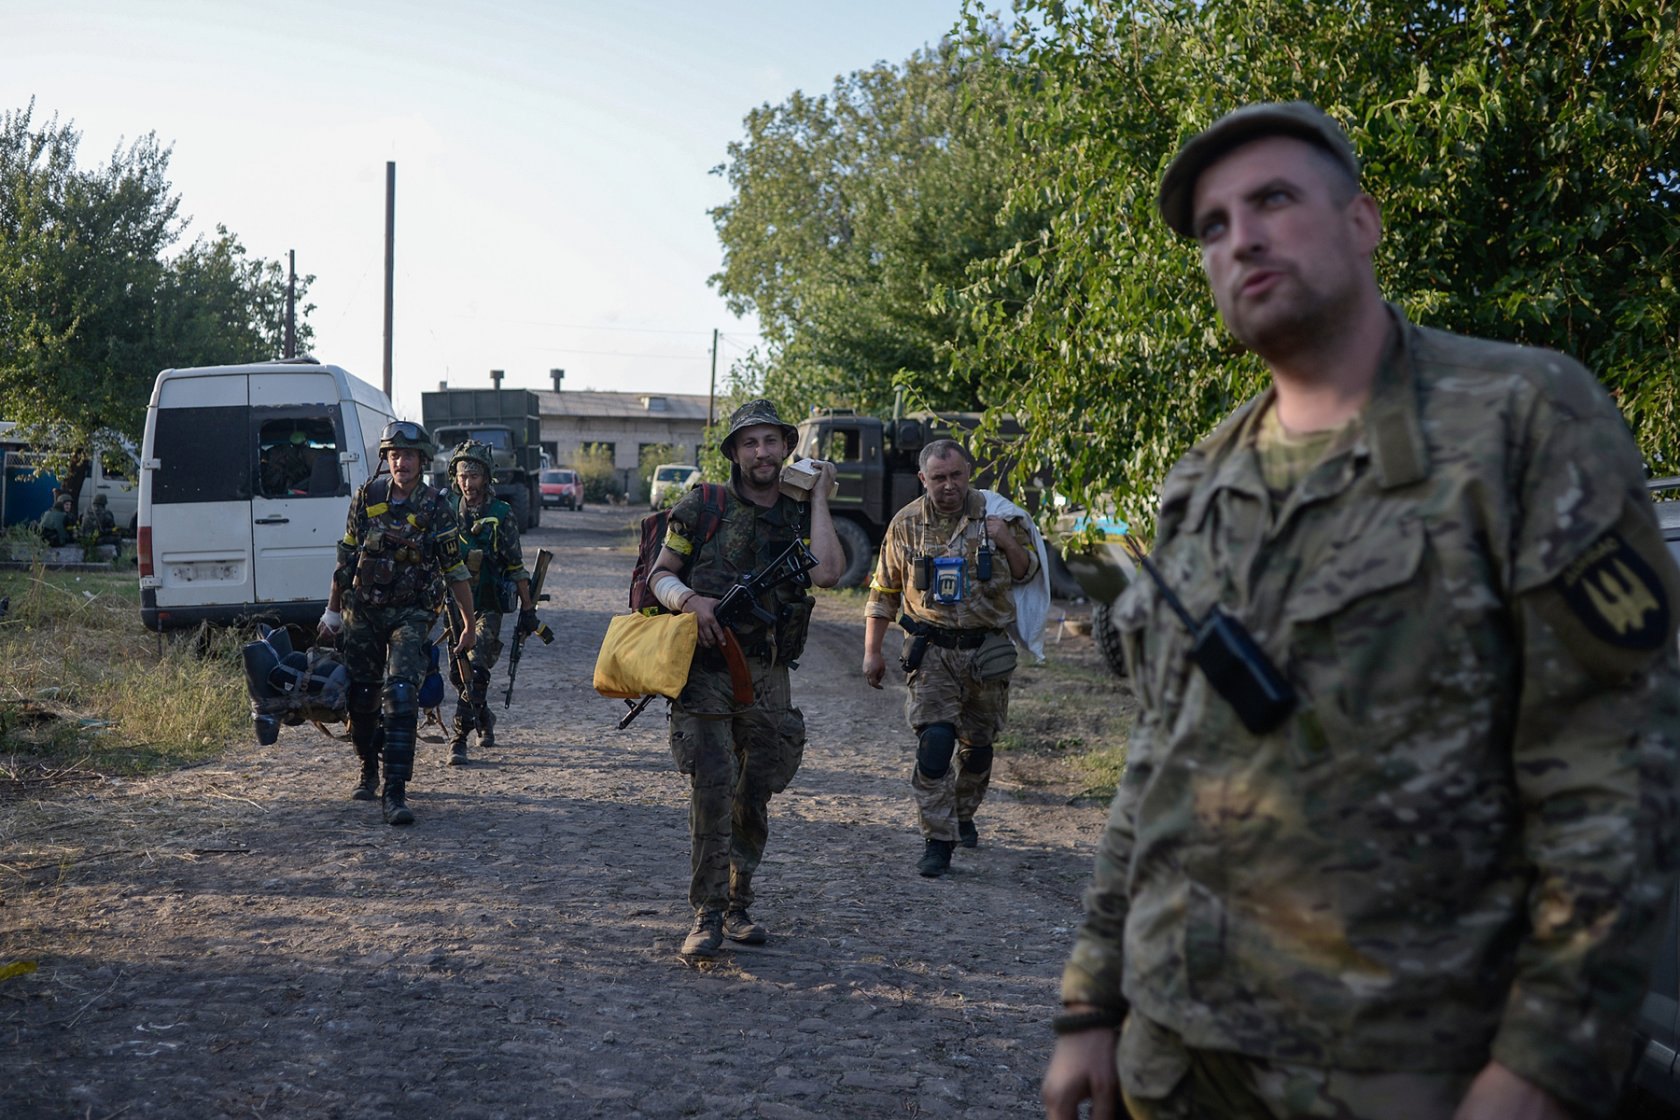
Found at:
(793, 626)
(996, 657)
(375, 573)
(915, 644)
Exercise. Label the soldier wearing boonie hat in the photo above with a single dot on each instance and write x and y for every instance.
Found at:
(1428, 886)
(738, 756)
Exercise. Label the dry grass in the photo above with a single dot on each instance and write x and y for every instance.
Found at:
(1073, 710)
(87, 688)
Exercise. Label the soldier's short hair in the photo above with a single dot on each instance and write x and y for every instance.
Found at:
(940, 448)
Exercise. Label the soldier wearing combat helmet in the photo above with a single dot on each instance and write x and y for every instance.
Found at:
(489, 542)
(738, 756)
(1423, 879)
(400, 537)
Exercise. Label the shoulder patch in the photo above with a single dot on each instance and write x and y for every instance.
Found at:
(1613, 605)
(1616, 595)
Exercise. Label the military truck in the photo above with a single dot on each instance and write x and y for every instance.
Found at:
(875, 461)
(505, 419)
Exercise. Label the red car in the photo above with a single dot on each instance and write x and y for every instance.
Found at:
(561, 487)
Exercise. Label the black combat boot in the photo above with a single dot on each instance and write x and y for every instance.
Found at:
(394, 803)
(967, 835)
(458, 742)
(706, 935)
(367, 787)
(486, 728)
(936, 858)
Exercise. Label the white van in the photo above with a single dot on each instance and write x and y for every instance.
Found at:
(117, 478)
(246, 474)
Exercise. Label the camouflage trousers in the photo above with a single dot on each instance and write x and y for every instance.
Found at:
(1162, 1079)
(736, 758)
(473, 695)
(387, 643)
(945, 690)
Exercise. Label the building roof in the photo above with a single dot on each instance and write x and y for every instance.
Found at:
(618, 406)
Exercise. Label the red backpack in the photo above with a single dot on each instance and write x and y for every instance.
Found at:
(653, 539)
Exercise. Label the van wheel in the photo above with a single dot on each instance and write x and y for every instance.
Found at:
(859, 552)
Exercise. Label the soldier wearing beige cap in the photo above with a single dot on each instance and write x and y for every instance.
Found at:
(1428, 886)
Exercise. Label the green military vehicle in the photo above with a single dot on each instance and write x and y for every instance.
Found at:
(509, 422)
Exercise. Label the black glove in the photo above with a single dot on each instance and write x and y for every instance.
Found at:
(528, 621)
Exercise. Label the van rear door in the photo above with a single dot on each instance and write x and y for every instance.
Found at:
(197, 490)
(301, 497)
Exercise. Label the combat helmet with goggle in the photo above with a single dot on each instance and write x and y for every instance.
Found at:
(405, 433)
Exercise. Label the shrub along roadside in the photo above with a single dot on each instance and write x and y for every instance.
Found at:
(86, 686)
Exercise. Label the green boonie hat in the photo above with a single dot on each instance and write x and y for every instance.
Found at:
(405, 433)
(752, 414)
(1299, 119)
(472, 451)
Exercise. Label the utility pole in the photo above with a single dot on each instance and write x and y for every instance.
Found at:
(390, 258)
(291, 304)
(711, 397)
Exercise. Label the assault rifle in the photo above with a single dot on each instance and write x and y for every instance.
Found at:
(539, 571)
(739, 604)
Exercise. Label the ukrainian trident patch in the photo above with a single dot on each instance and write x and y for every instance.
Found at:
(1616, 595)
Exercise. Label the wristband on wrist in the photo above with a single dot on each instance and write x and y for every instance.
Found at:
(1073, 1022)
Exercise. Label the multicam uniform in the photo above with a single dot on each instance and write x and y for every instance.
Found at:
(489, 540)
(1458, 845)
(963, 679)
(388, 567)
(737, 757)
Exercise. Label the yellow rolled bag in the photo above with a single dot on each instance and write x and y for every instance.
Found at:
(646, 655)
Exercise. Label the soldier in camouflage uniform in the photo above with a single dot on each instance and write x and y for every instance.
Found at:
(400, 538)
(1433, 890)
(953, 569)
(490, 549)
(738, 756)
(98, 525)
(58, 525)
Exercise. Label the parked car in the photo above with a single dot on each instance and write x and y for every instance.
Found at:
(561, 487)
(670, 480)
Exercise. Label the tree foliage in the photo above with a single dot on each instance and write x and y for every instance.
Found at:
(851, 210)
(1525, 157)
(91, 307)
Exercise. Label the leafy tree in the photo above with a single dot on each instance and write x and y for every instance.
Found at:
(91, 308)
(1524, 156)
(851, 210)
(594, 465)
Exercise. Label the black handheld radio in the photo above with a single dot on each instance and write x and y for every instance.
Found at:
(1230, 659)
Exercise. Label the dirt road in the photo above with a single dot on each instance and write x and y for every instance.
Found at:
(243, 940)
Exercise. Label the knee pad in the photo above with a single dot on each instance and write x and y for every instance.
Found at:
(979, 759)
(364, 697)
(934, 747)
(401, 699)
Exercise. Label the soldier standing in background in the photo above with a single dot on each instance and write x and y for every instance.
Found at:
(400, 537)
(490, 550)
(952, 569)
(1426, 882)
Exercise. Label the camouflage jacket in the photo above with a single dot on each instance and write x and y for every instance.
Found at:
(920, 530)
(749, 537)
(1460, 843)
(490, 549)
(392, 552)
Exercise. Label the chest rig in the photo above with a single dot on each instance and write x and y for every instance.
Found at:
(941, 568)
(392, 552)
(481, 550)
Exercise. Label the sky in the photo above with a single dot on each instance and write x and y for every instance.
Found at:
(552, 159)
